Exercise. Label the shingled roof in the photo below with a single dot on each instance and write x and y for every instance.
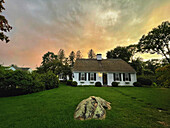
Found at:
(105, 65)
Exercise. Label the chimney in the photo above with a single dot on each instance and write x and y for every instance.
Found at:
(99, 56)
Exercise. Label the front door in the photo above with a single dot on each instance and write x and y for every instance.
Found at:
(104, 79)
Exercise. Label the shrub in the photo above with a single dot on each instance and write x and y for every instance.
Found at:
(144, 81)
(137, 84)
(98, 84)
(115, 84)
(69, 82)
(74, 84)
(163, 76)
(50, 80)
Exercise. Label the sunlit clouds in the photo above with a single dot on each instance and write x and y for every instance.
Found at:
(40, 26)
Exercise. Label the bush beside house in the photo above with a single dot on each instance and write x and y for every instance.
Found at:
(98, 84)
(115, 84)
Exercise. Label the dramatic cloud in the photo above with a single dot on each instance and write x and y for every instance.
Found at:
(40, 26)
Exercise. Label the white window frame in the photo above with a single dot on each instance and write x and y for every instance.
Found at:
(82, 76)
(126, 76)
(117, 77)
(92, 76)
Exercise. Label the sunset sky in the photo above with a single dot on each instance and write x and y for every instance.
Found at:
(40, 26)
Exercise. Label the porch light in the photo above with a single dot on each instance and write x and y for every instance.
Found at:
(100, 74)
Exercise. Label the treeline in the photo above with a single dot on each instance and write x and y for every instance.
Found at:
(13, 83)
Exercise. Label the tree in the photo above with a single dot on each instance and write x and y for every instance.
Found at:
(138, 65)
(4, 26)
(120, 52)
(152, 64)
(132, 49)
(54, 66)
(163, 76)
(91, 54)
(78, 55)
(72, 58)
(48, 57)
(61, 55)
(66, 61)
(157, 41)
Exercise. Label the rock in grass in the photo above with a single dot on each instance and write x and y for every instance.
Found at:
(92, 108)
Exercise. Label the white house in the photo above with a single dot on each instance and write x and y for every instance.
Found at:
(106, 71)
(14, 68)
(62, 77)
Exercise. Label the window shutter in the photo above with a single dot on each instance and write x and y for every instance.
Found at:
(120, 77)
(129, 77)
(94, 76)
(79, 76)
(114, 78)
(123, 76)
(89, 76)
(85, 76)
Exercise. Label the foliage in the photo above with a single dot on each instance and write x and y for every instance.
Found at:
(137, 84)
(69, 82)
(4, 26)
(78, 55)
(72, 58)
(19, 82)
(48, 57)
(115, 84)
(144, 81)
(91, 54)
(74, 84)
(138, 65)
(98, 84)
(152, 65)
(61, 55)
(120, 52)
(163, 76)
(51, 80)
(157, 41)
(148, 72)
(55, 66)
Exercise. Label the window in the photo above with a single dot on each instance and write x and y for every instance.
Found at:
(91, 76)
(117, 76)
(126, 77)
(82, 76)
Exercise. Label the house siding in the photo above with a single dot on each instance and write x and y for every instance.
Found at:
(110, 79)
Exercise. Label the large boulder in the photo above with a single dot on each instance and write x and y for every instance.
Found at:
(92, 108)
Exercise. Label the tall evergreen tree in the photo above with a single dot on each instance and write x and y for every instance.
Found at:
(78, 54)
(72, 58)
(91, 54)
(61, 55)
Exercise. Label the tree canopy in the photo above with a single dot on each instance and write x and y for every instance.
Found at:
(4, 26)
(157, 41)
(120, 52)
(48, 57)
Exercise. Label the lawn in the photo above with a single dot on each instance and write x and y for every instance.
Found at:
(132, 107)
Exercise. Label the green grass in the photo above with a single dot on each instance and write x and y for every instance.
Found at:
(132, 107)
